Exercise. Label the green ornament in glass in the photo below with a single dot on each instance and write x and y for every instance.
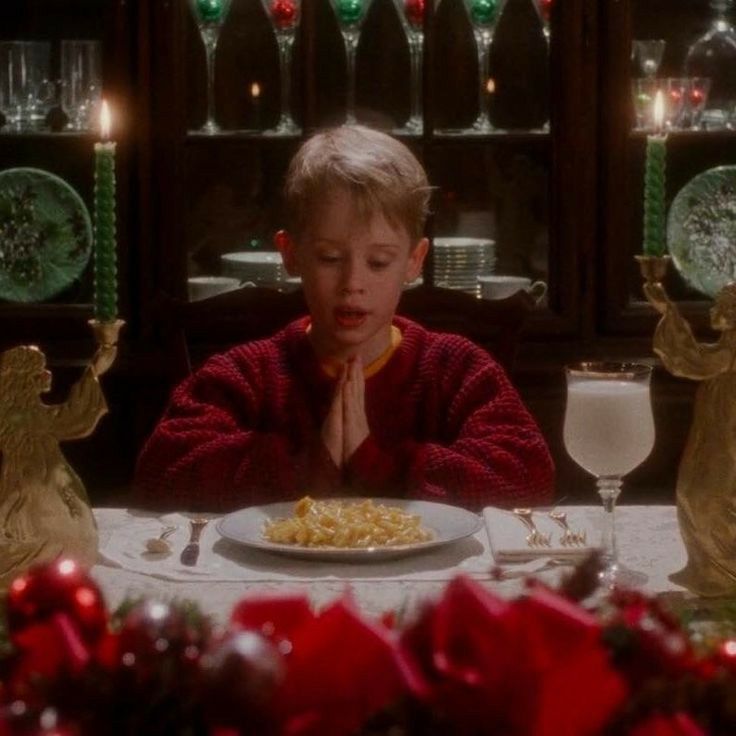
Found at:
(210, 11)
(210, 16)
(484, 16)
(483, 12)
(349, 12)
(350, 15)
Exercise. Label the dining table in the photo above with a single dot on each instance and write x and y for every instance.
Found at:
(225, 572)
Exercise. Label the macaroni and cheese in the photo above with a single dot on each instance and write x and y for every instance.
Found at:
(357, 524)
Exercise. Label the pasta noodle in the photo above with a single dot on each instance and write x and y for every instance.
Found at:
(356, 524)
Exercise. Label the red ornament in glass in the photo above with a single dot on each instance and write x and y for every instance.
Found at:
(62, 586)
(545, 6)
(414, 11)
(284, 14)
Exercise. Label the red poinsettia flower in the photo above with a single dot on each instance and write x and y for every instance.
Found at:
(517, 667)
(275, 617)
(341, 670)
(679, 724)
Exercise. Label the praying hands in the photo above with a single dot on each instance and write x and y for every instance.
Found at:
(346, 425)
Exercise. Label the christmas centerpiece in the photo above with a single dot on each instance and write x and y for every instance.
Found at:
(468, 663)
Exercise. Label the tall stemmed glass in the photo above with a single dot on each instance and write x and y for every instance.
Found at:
(284, 16)
(350, 16)
(544, 9)
(411, 14)
(210, 16)
(484, 15)
(609, 431)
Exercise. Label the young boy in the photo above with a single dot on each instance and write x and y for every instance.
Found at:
(351, 400)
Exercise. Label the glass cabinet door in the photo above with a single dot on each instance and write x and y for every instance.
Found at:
(686, 52)
(481, 90)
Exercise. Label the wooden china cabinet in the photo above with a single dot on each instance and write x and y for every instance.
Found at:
(557, 185)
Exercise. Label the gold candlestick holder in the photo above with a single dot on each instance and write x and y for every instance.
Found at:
(706, 479)
(44, 508)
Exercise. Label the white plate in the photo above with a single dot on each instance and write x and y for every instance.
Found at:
(448, 523)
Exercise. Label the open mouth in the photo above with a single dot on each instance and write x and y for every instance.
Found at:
(350, 318)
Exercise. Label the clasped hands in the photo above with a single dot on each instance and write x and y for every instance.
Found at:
(346, 425)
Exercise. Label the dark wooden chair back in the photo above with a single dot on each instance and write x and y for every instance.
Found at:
(195, 330)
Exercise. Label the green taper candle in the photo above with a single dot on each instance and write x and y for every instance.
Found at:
(105, 250)
(654, 186)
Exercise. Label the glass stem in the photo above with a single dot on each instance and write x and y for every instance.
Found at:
(209, 36)
(483, 39)
(285, 45)
(351, 46)
(415, 56)
(609, 488)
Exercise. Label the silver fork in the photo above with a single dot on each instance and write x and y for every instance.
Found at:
(535, 538)
(569, 538)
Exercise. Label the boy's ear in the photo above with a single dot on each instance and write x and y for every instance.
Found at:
(285, 245)
(416, 259)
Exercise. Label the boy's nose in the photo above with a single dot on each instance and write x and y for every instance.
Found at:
(352, 282)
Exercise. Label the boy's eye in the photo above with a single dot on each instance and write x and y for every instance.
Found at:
(379, 265)
(328, 257)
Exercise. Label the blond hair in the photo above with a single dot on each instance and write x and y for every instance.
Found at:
(381, 174)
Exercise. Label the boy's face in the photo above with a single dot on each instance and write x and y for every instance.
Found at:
(353, 272)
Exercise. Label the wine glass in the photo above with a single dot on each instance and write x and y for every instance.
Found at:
(210, 16)
(350, 16)
(544, 9)
(649, 54)
(284, 16)
(609, 431)
(484, 15)
(411, 14)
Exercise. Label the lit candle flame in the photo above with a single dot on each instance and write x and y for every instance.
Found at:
(658, 111)
(105, 120)
(255, 90)
(490, 86)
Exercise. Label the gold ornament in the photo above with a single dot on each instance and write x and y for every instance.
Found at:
(44, 509)
(706, 480)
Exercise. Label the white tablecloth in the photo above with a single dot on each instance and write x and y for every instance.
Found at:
(649, 542)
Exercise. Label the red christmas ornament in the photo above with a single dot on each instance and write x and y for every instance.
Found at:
(414, 10)
(241, 674)
(284, 14)
(62, 586)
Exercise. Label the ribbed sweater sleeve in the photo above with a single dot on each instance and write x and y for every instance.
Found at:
(217, 448)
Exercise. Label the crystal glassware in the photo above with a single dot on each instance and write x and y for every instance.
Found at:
(350, 16)
(411, 14)
(81, 82)
(713, 56)
(643, 92)
(284, 16)
(210, 16)
(648, 54)
(676, 102)
(609, 431)
(484, 15)
(544, 10)
(26, 94)
(697, 98)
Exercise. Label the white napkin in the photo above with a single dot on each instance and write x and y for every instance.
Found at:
(507, 535)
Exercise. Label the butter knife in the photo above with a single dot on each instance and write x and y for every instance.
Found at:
(190, 553)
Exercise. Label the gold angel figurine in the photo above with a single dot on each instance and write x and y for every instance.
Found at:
(706, 482)
(44, 510)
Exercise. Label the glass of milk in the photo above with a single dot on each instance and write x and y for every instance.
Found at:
(609, 431)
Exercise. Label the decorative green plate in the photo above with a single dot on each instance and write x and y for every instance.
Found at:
(45, 235)
(701, 230)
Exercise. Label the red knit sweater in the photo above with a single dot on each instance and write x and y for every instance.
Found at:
(446, 425)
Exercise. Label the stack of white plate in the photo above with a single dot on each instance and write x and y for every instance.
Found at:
(262, 268)
(458, 262)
